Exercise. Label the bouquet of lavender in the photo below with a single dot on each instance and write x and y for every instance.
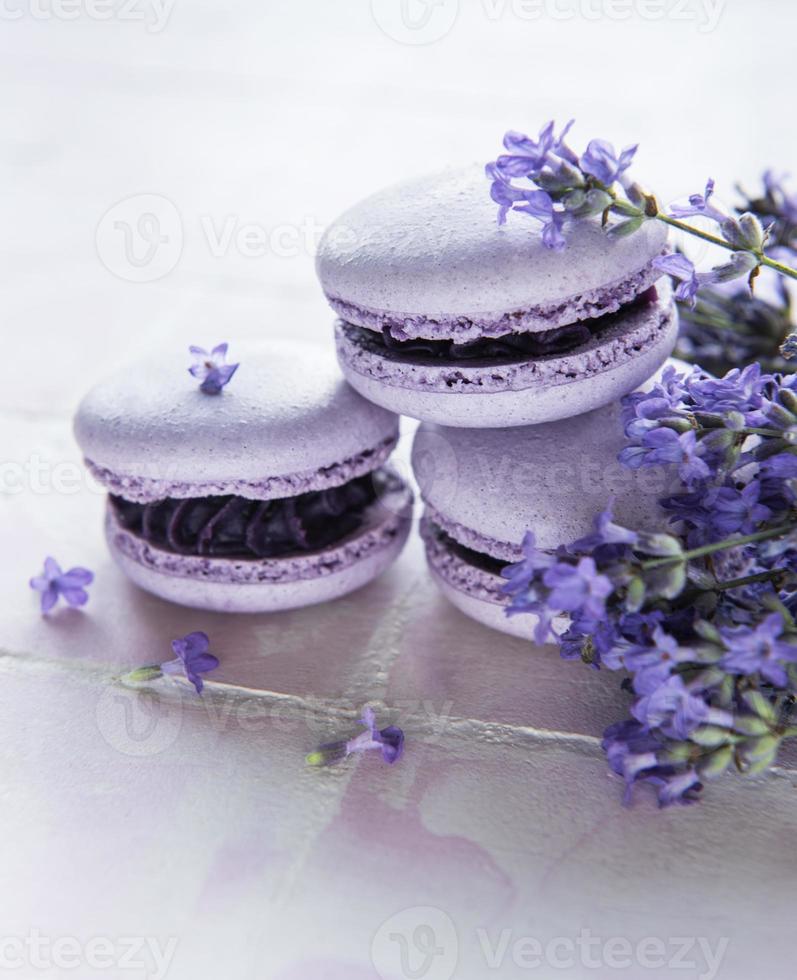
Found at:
(701, 618)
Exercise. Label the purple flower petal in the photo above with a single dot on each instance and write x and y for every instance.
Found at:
(75, 577)
(51, 568)
(211, 369)
(75, 596)
(49, 599)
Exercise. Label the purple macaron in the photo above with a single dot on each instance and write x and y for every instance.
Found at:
(270, 494)
(448, 317)
(484, 488)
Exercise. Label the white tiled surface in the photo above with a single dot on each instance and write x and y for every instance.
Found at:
(170, 819)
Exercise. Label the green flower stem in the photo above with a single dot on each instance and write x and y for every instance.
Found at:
(736, 583)
(724, 545)
(743, 431)
(780, 267)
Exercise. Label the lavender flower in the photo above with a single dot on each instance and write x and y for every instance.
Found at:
(211, 369)
(690, 280)
(660, 446)
(633, 752)
(601, 162)
(388, 741)
(540, 205)
(521, 573)
(700, 204)
(734, 511)
(527, 156)
(53, 583)
(760, 650)
(193, 659)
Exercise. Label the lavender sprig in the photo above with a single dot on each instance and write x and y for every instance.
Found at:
(702, 617)
(548, 180)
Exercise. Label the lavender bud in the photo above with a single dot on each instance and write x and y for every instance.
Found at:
(660, 545)
(626, 228)
(667, 582)
(752, 231)
(788, 399)
(759, 705)
(789, 347)
(732, 233)
(635, 594)
(740, 264)
(708, 631)
(142, 674)
(758, 754)
(751, 725)
(710, 736)
(574, 200)
(714, 765)
(596, 202)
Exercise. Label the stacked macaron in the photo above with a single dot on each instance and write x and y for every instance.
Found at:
(513, 355)
(449, 318)
(270, 494)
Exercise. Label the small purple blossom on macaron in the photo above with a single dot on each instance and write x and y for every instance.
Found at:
(193, 659)
(211, 369)
(388, 741)
(602, 162)
(539, 205)
(55, 584)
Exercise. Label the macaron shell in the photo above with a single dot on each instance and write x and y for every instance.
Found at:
(552, 478)
(489, 614)
(526, 393)
(430, 249)
(225, 585)
(476, 592)
(286, 412)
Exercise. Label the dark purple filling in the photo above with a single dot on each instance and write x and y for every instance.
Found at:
(478, 559)
(505, 349)
(238, 528)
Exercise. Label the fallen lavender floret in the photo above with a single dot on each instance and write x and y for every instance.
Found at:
(388, 741)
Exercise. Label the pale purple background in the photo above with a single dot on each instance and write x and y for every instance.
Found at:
(194, 823)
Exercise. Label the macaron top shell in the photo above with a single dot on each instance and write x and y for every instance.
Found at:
(487, 487)
(430, 249)
(286, 423)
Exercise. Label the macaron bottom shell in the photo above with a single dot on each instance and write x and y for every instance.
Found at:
(476, 592)
(268, 585)
(524, 393)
